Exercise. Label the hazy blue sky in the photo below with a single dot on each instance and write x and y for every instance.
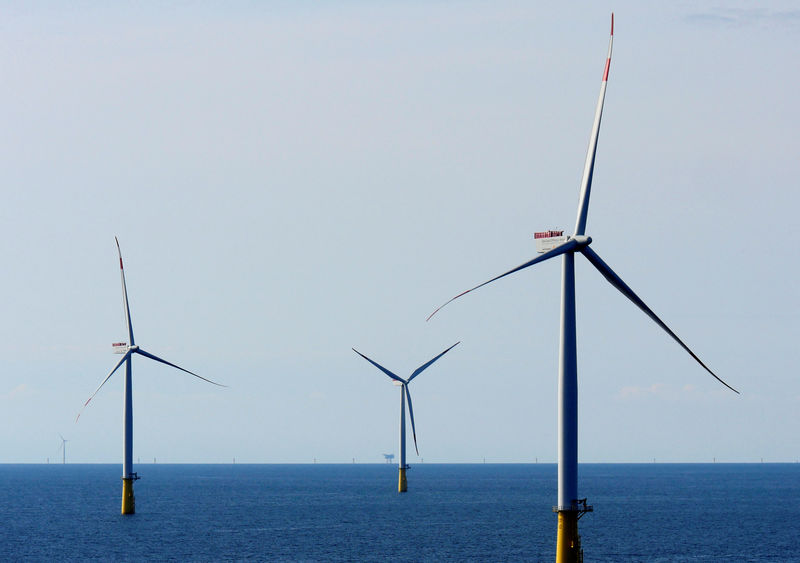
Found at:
(290, 180)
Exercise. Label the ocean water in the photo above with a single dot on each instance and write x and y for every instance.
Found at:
(643, 512)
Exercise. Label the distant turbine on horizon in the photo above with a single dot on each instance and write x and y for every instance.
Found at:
(63, 450)
(551, 244)
(402, 485)
(129, 349)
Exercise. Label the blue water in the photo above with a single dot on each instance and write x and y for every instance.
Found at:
(648, 512)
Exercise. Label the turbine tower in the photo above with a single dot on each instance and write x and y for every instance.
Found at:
(402, 485)
(63, 449)
(551, 244)
(129, 349)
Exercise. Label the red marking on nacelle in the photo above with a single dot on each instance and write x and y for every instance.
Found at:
(548, 234)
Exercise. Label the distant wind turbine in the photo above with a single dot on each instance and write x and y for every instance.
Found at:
(551, 244)
(129, 349)
(402, 485)
(63, 449)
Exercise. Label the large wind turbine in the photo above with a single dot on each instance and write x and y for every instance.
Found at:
(551, 244)
(402, 485)
(128, 476)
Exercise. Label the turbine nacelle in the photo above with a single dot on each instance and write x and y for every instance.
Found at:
(547, 241)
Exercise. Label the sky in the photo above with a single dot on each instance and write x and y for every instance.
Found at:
(291, 180)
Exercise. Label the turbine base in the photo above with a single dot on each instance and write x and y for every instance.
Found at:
(568, 542)
(402, 484)
(128, 501)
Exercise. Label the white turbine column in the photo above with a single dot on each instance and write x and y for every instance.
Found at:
(568, 392)
(568, 543)
(128, 504)
(127, 438)
(402, 484)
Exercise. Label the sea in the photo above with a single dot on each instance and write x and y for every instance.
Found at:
(352, 512)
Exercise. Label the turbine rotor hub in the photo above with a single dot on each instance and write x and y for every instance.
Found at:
(582, 240)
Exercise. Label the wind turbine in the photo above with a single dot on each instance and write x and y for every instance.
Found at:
(63, 449)
(551, 244)
(128, 476)
(402, 485)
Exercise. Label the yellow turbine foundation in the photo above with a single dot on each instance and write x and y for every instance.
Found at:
(402, 485)
(128, 502)
(568, 544)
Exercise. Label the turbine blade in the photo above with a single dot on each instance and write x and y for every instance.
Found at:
(116, 367)
(425, 366)
(125, 297)
(380, 367)
(588, 167)
(623, 288)
(156, 358)
(568, 246)
(411, 414)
